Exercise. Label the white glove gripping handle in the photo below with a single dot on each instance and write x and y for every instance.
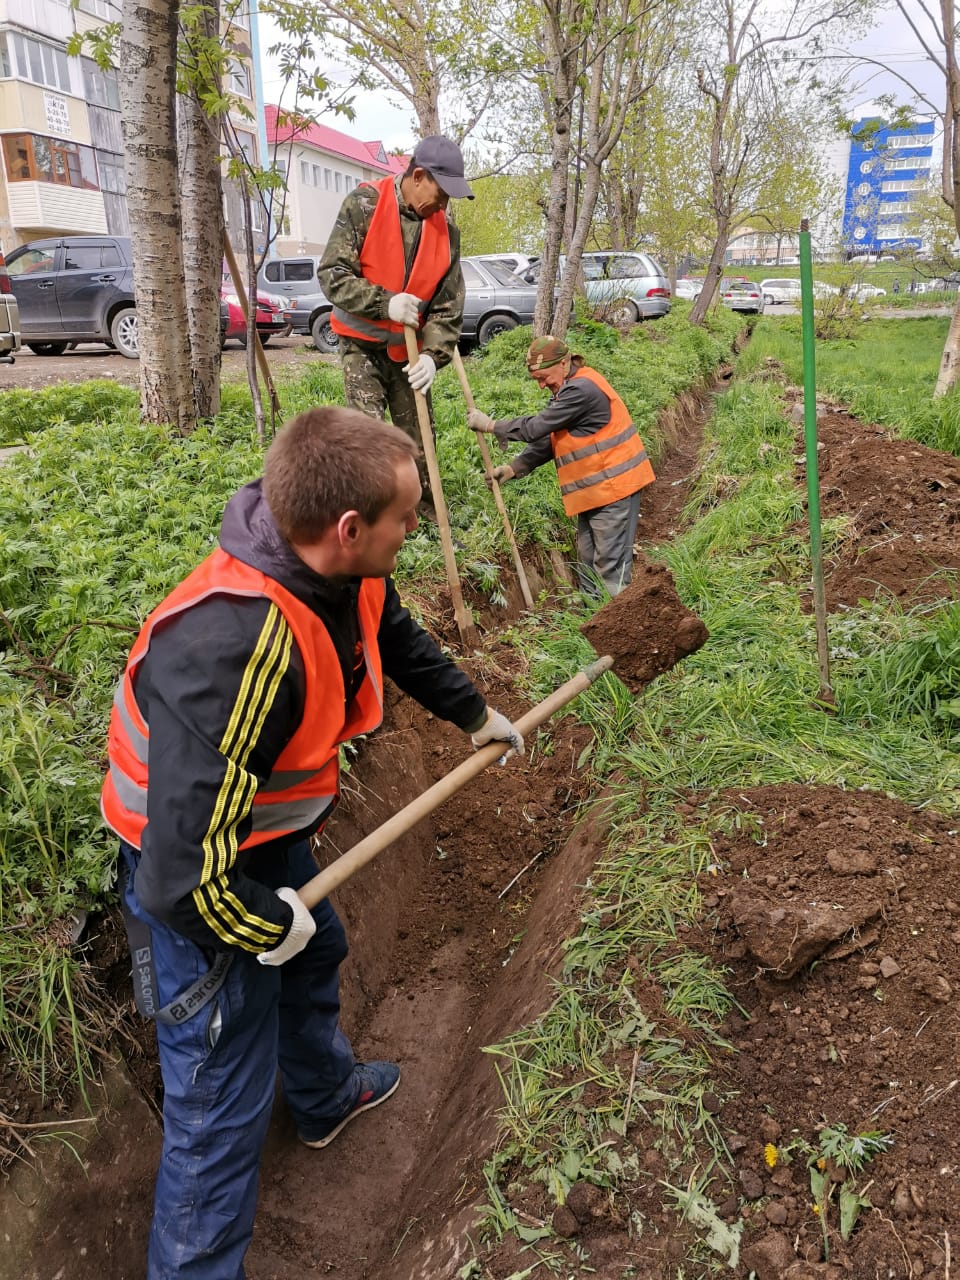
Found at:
(404, 308)
(301, 931)
(497, 728)
(421, 375)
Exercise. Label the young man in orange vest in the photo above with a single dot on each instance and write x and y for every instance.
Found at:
(393, 259)
(601, 462)
(223, 752)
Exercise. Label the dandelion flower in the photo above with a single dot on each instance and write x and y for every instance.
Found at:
(771, 1155)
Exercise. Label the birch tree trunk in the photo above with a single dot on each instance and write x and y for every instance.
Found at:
(950, 359)
(202, 231)
(562, 70)
(147, 76)
(626, 51)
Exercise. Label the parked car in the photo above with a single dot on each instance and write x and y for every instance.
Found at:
(516, 262)
(74, 289)
(742, 295)
(861, 292)
(271, 316)
(9, 317)
(308, 308)
(626, 286)
(496, 300)
(777, 290)
(688, 289)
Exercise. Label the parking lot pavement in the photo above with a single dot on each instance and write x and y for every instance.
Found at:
(31, 372)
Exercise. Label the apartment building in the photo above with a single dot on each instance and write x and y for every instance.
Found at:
(61, 145)
(62, 151)
(750, 247)
(886, 170)
(319, 165)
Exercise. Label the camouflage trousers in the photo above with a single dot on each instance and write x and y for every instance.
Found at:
(373, 383)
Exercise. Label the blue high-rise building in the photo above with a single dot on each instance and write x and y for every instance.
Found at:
(886, 169)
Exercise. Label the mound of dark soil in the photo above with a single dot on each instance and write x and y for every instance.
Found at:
(837, 915)
(903, 501)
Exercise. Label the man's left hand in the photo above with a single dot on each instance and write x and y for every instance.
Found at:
(477, 420)
(421, 375)
(497, 728)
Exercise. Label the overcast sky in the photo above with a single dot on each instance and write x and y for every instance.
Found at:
(891, 42)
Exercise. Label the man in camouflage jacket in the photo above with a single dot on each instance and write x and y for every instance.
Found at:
(364, 308)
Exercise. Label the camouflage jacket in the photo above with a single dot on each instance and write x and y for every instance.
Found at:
(341, 281)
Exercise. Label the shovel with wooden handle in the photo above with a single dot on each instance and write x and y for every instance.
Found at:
(468, 632)
(643, 632)
(343, 868)
(494, 485)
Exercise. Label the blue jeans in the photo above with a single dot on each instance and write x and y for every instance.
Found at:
(605, 538)
(219, 1072)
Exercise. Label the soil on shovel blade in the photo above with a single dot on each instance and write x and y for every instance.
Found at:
(646, 629)
(836, 912)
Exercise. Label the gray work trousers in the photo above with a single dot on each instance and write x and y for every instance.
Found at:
(605, 538)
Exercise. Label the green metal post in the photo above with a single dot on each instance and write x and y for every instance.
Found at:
(813, 475)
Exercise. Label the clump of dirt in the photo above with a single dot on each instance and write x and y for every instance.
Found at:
(646, 629)
(903, 501)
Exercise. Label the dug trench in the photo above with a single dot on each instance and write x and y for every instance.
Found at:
(846, 1013)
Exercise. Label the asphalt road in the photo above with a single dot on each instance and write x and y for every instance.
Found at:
(91, 361)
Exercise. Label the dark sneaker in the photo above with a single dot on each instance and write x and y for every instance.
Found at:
(378, 1080)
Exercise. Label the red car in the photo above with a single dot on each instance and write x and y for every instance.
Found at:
(270, 318)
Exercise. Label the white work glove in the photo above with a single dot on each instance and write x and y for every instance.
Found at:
(421, 375)
(404, 308)
(497, 728)
(301, 931)
(500, 474)
(477, 420)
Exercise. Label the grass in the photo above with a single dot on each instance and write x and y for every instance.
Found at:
(884, 375)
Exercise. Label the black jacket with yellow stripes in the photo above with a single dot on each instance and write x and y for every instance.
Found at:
(191, 685)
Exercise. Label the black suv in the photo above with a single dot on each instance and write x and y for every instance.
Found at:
(75, 289)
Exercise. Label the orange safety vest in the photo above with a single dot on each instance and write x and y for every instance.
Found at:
(382, 262)
(598, 469)
(305, 779)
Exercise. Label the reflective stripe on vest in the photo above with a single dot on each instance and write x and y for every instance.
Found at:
(606, 466)
(382, 262)
(304, 783)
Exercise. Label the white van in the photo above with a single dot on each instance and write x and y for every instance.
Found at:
(310, 310)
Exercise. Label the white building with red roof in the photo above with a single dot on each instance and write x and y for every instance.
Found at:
(320, 166)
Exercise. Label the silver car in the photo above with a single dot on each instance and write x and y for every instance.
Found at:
(626, 287)
(621, 287)
(495, 300)
(742, 295)
(308, 308)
